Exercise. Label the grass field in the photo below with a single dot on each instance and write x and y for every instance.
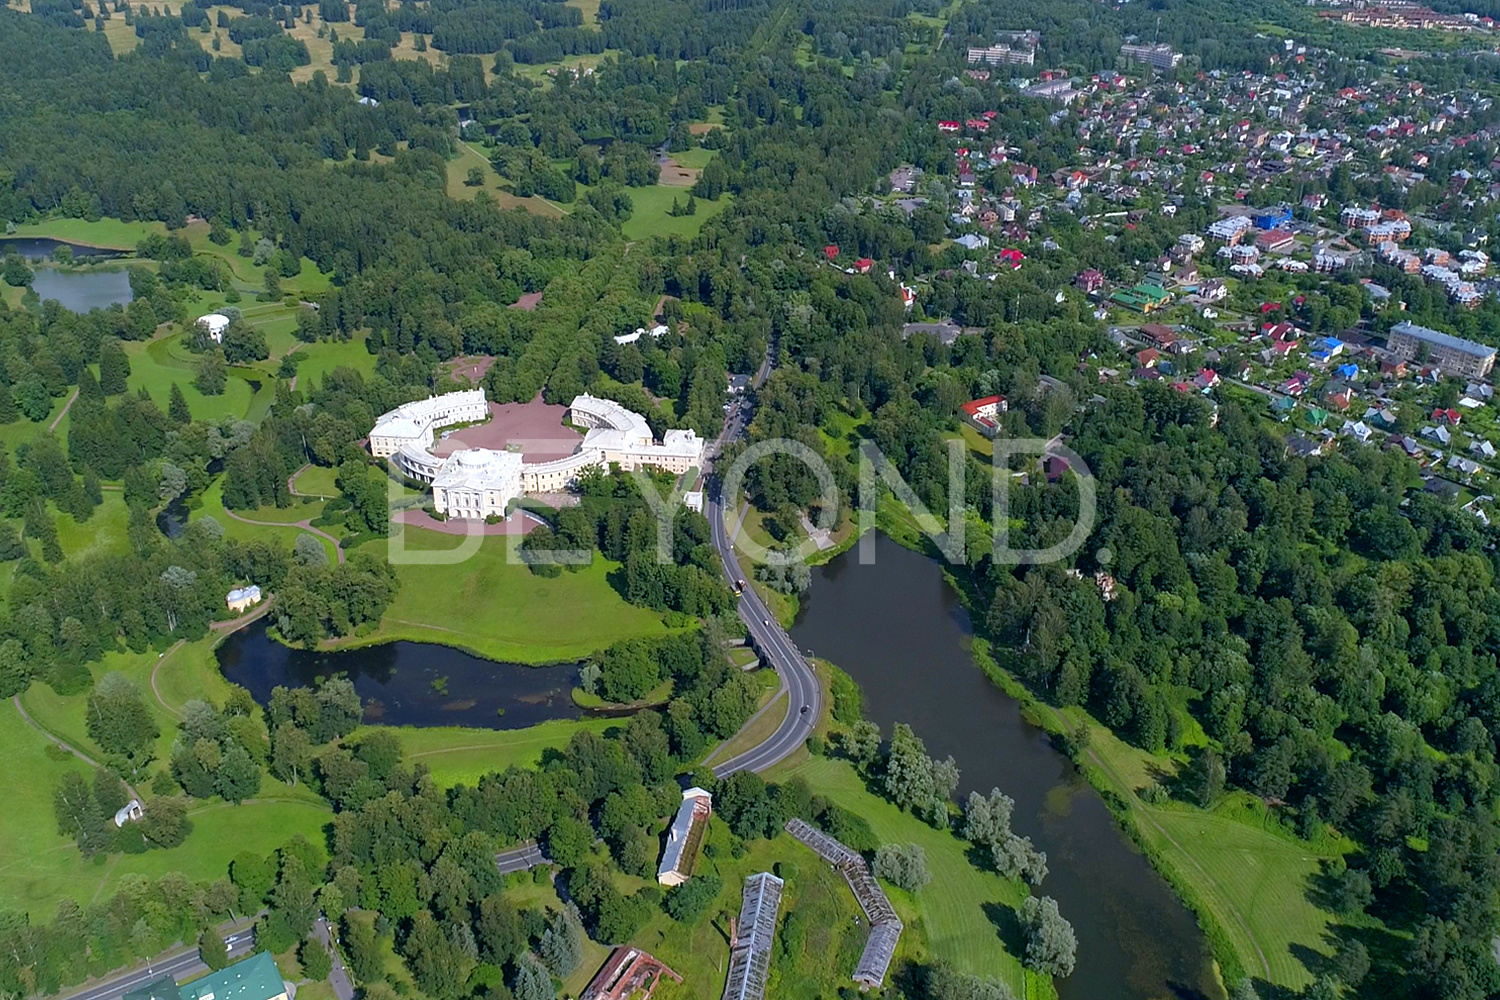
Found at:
(470, 156)
(649, 217)
(157, 365)
(316, 479)
(951, 916)
(457, 755)
(39, 867)
(590, 9)
(1232, 863)
(212, 505)
(502, 611)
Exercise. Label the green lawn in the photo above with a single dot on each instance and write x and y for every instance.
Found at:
(39, 867)
(457, 755)
(316, 479)
(696, 158)
(157, 365)
(284, 519)
(948, 917)
(651, 205)
(324, 356)
(500, 610)
(470, 156)
(1232, 864)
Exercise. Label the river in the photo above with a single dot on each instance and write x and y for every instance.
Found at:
(901, 632)
(408, 683)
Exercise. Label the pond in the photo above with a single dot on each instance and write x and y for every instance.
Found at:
(900, 631)
(408, 683)
(80, 291)
(42, 248)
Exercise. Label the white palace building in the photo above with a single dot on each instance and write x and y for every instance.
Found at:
(480, 482)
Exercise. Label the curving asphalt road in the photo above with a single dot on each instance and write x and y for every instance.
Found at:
(771, 640)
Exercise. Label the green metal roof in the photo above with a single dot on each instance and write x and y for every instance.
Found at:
(256, 978)
(163, 987)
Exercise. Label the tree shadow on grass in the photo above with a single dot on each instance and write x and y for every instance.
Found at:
(1007, 926)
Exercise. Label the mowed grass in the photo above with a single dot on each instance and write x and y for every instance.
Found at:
(951, 916)
(590, 9)
(501, 610)
(39, 867)
(1252, 878)
(457, 755)
(317, 480)
(1232, 863)
(157, 365)
(326, 355)
(651, 207)
(494, 185)
(282, 527)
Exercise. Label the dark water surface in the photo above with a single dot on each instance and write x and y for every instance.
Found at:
(80, 291)
(396, 681)
(43, 247)
(900, 631)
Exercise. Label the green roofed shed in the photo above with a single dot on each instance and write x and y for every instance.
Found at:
(256, 978)
(163, 987)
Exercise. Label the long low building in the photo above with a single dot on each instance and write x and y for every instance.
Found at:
(885, 927)
(413, 423)
(481, 482)
(754, 933)
(686, 832)
(1454, 355)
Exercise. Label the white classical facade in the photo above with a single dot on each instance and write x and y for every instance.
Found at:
(412, 423)
(481, 482)
(477, 483)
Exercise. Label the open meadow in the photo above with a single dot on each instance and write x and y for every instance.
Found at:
(499, 609)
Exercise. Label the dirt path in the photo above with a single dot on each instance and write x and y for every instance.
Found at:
(154, 689)
(91, 762)
(66, 407)
(226, 626)
(305, 524)
(293, 477)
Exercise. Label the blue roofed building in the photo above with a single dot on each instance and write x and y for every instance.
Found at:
(1271, 218)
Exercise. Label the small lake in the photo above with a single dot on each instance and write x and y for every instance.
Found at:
(42, 248)
(80, 291)
(395, 681)
(901, 632)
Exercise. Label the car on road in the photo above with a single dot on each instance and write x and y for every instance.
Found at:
(805, 709)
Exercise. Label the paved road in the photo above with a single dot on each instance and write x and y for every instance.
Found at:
(772, 642)
(343, 987)
(518, 859)
(179, 965)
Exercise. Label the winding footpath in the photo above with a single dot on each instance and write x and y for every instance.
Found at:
(305, 524)
(91, 762)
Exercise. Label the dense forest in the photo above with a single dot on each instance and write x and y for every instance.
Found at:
(1312, 631)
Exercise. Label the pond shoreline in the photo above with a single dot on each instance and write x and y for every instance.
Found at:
(914, 660)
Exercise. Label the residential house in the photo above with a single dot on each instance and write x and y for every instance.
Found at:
(983, 414)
